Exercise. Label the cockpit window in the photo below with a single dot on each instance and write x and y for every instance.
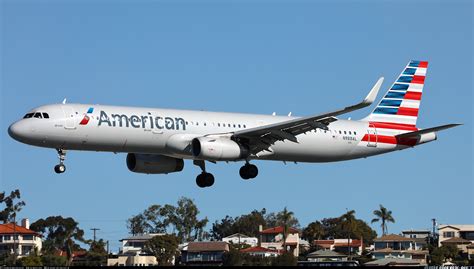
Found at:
(38, 115)
(29, 115)
(45, 115)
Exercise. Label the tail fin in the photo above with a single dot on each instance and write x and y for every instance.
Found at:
(401, 103)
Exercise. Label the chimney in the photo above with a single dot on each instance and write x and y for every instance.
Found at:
(25, 223)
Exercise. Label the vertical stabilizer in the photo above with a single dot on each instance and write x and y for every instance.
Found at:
(401, 103)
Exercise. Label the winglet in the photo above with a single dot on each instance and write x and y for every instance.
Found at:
(373, 93)
(64, 101)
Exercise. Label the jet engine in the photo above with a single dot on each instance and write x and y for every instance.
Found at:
(218, 149)
(153, 164)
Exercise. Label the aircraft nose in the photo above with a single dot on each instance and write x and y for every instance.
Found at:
(18, 130)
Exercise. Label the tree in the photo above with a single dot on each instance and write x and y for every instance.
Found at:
(60, 234)
(383, 215)
(163, 247)
(314, 231)
(284, 218)
(285, 259)
(95, 256)
(440, 255)
(181, 220)
(8, 214)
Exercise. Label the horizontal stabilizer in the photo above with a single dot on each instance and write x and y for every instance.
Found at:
(428, 130)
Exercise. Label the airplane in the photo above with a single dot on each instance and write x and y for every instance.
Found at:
(158, 140)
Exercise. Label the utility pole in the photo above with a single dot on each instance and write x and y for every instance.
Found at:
(95, 229)
(434, 230)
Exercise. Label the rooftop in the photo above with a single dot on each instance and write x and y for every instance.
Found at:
(141, 237)
(11, 228)
(456, 240)
(279, 230)
(393, 238)
(207, 246)
(391, 261)
(323, 253)
(258, 249)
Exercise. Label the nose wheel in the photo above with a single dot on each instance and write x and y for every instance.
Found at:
(204, 179)
(60, 168)
(248, 171)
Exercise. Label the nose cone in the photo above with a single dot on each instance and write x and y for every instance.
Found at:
(18, 130)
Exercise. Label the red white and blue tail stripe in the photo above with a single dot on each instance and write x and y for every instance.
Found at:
(401, 103)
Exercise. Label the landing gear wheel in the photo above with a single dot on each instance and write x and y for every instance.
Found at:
(243, 172)
(60, 168)
(205, 180)
(200, 181)
(248, 171)
(209, 179)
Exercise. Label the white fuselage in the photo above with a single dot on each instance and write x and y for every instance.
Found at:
(168, 132)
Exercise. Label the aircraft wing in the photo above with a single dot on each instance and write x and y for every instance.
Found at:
(261, 138)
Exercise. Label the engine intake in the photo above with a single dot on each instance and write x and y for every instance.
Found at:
(153, 164)
(218, 149)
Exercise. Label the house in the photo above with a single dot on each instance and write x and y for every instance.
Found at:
(204, 253)
(272, 238)
(465, 231)
(239, 238)
(19, 237)
(396, 246)
(421, 237)
(355, 246)
(132, 253)
(261, 251)
(462, 236)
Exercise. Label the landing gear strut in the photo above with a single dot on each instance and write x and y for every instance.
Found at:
(60, 168)
(204, 179)
(248, 171)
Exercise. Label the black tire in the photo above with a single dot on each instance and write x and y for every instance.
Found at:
(60, 168)
(200, 180)
(209, 179)
(252, 171)
(244, 172)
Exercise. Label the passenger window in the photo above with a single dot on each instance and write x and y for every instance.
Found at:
(197, 123)
(228, 125)
(245, 126)
(340, 132)
(234, 125)
(239, 125)
(45, 115)
(350, 132)
(355, 133)
(345, 132)
(219, 125)
(38, 115)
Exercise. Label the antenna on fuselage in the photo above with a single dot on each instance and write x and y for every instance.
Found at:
(64, 101)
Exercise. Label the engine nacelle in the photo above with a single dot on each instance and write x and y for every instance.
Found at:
(425, 138)
(153, 164)
(218, 149)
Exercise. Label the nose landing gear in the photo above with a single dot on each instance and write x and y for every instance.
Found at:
(60, 168)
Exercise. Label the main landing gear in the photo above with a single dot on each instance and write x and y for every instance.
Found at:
(204, 179)
(60, 168)
(248, 171)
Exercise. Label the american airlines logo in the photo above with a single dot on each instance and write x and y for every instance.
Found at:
(142, 121)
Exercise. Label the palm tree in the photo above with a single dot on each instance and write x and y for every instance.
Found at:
(285, 217)
(348, 221)
(383, 215)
